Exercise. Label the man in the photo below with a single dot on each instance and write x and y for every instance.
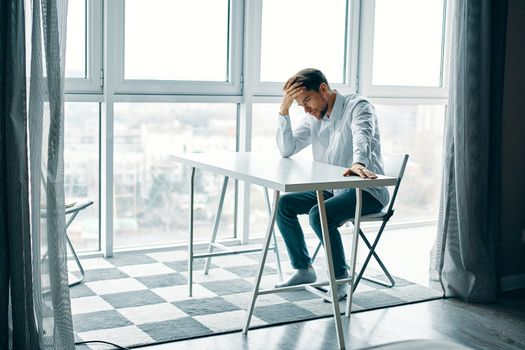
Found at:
(343, 131)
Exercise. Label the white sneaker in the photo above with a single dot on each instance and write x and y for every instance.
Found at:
(301, 276)
(342, 290)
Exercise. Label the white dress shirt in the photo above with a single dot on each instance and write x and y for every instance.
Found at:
(349, 135)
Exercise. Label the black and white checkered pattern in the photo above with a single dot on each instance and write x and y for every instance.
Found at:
(140, 298)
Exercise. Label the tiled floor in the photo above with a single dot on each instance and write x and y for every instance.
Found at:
(138, 298)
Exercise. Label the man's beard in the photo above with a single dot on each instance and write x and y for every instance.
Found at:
(322, 113)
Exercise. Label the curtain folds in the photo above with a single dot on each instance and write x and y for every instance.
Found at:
(35, 311)
(468, 222)
(15, 269)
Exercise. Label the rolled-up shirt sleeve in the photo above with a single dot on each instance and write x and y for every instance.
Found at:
(290, 142)
(363, 126)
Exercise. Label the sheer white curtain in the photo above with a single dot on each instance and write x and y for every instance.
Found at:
(468, 227)
(33, 272)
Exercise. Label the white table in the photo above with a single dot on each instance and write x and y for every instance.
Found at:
(287, 175)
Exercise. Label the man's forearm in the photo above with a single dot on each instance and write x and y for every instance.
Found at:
(284, 137)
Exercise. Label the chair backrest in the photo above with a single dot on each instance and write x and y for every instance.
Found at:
(394, 165)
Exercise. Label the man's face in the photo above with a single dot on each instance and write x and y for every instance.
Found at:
(313, 102)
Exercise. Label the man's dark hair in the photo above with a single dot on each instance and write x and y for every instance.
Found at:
(311, 79)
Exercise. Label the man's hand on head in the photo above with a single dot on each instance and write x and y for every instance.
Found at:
(291, 89)
(359, 170)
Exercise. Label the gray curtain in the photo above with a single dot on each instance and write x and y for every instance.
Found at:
(468, 226)
(35, 311)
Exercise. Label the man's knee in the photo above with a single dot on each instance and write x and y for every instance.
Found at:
(315, 219)
(286, 206)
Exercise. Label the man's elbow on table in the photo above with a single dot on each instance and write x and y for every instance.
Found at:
(285, 153)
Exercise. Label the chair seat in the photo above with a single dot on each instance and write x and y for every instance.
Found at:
(373, 217)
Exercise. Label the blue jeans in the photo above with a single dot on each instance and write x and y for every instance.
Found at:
(339, 209)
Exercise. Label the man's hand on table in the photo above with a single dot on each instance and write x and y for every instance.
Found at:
(360, 170)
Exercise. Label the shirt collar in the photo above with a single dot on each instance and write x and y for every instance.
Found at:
(337, 109)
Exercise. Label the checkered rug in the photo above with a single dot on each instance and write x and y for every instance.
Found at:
(136, 299)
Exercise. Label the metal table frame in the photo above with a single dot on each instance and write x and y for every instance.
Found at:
(213, 244)
(287, 175)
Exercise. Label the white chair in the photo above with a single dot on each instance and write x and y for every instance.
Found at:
(394, 165)
(74, 209)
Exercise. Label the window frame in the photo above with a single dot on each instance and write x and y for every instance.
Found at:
(180, 87)
(109, 242)
(93, 83)
(352, 18)
(105, 56)
(367, 88)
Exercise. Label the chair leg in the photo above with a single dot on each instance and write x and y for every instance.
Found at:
(316, 251)
(73, 251)
(82, 273)
(371, 248)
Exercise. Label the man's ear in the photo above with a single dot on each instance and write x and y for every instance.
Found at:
(323, 89)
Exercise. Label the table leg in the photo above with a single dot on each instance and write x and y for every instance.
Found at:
(353, 256)
(190, 243)
(275, 246)
(264, 252)
(216, 224)
(331, 273)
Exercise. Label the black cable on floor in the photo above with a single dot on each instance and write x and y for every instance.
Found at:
(103, 342)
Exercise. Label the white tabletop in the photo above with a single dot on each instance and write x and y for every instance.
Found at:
(275, 172)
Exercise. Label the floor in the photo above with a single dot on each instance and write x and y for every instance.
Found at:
(406, 252)
(142, 298)
(499, 325)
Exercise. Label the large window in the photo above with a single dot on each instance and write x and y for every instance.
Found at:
(81, 171)
(418, 131)
(408, 40)
(169, 47)
(150, 191)
(402, 49)
(303, 33)
(176, 40)
(76, 53)
(84, 47)
(195, 76)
